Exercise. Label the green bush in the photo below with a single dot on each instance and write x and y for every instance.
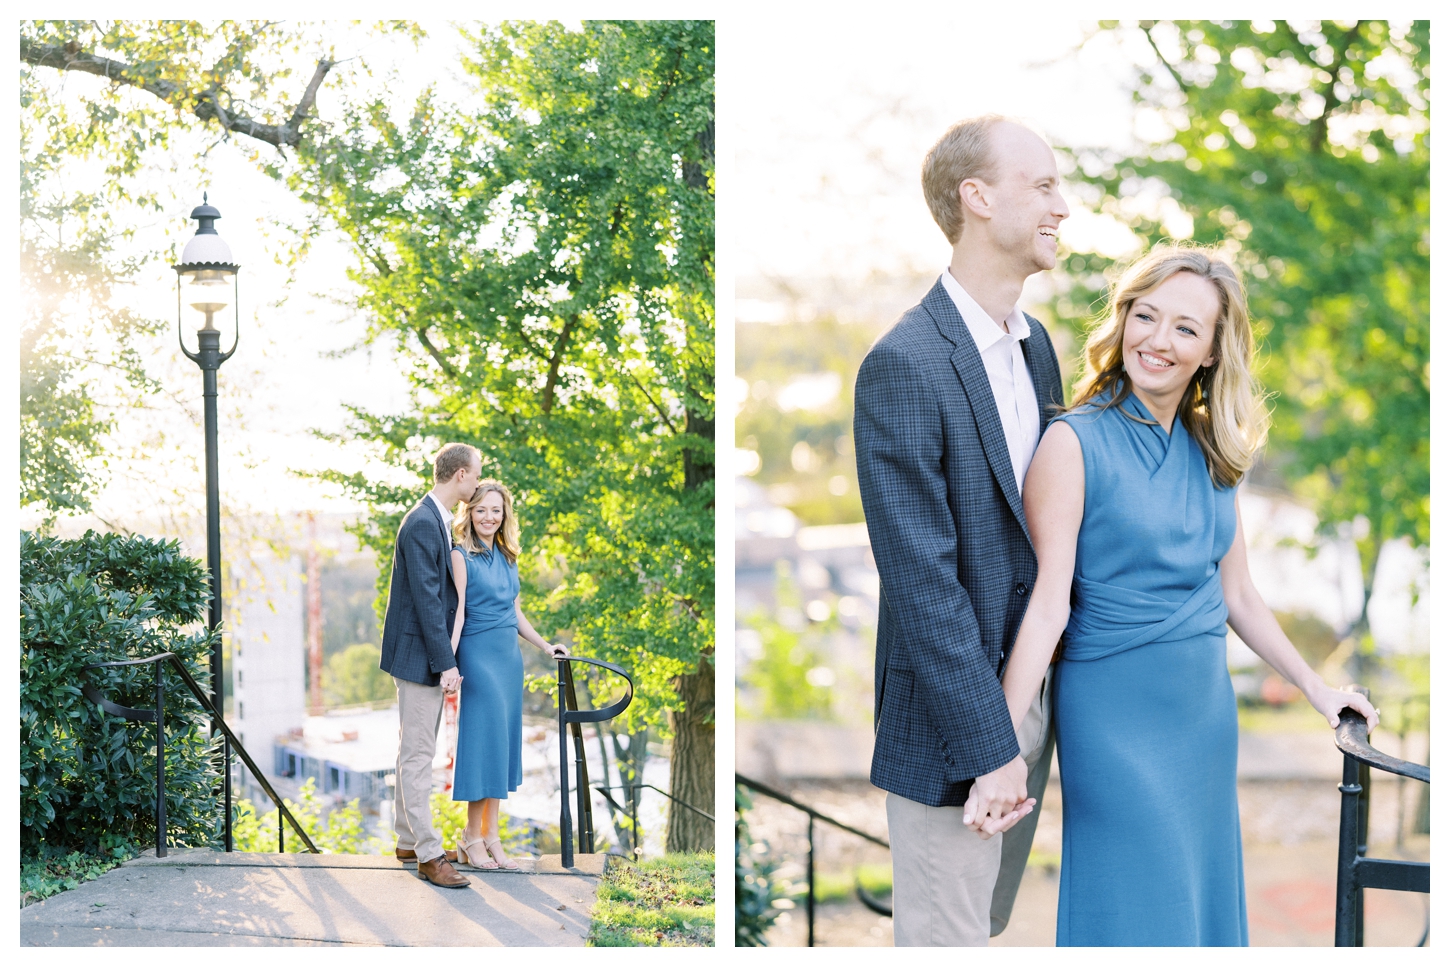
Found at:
(345, 829)
(87, 779)
(760, 892)
(45, 877)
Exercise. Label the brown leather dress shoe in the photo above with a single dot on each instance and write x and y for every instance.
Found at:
(440, 873)
(408, 856)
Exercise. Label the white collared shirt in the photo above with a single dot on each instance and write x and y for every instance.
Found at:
(442, 512)
(1006, 371)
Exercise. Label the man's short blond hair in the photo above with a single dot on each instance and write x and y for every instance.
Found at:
(965, 151)
(453, 458)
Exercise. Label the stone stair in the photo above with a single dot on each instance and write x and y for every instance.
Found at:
(204, 898)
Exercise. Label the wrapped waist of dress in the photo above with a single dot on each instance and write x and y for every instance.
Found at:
(1107, 619)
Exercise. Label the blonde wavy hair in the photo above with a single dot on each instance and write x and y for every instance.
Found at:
(505, 539)
(1223, 408)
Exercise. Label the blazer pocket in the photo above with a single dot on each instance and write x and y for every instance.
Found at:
(897, 690)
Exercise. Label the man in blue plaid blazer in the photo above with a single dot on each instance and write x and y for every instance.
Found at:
(418, 653)
(950, 403)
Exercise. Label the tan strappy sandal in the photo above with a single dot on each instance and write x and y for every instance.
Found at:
(502, 861)
(468, 853)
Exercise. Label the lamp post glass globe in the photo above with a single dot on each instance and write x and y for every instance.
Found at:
(206, 272)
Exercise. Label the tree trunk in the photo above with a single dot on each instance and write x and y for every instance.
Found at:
(692, 764)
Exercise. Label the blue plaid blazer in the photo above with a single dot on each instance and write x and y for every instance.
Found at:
(417, 630)
(951, 548)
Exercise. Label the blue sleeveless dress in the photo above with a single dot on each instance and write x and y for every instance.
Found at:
(1147, 725)
(488, 763)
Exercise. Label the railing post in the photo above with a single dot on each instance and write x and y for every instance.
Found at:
(281, 829)
(810, 880)
(566, 827)
(634, 818)
(1347, 893)
(586, 830)
(160, 764)
(227, 790)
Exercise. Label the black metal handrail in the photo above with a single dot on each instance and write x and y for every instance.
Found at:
(571, 715)
(812, 815)
(1358, 872)
(229, 743)
(633, 811)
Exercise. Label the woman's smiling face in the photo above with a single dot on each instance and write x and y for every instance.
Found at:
(1168, 336)
(488, 515)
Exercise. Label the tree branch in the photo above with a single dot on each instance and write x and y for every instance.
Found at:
(1319, 129)
(658, 409)
(554, 360)
(1177, 78)
(422, 333)
(203, 104)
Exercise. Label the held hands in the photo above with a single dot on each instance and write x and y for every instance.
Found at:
(998, 800)
(1329, 701)
(450, 680)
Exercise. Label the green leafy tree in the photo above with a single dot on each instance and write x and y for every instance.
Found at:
(1303, 149)
(353, 677)
(544, 263)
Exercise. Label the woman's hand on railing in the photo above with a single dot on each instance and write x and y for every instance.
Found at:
(1328, 702)
(555, 651)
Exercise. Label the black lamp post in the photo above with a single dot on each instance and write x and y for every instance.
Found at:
(204, 275)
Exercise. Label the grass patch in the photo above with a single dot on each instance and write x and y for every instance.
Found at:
(666, 902)
(832, 887)
(43, 877)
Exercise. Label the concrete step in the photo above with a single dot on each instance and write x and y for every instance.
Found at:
(207, 898)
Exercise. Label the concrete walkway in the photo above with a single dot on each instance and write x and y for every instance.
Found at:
(202, 898)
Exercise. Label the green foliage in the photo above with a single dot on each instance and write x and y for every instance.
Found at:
(353, 677)
(88, 780)
(777, 683)
(342, 830)
(874, 878)
(1304, 150)
(60, 430)
(450, 818)
(663, 902)
(760, 892)
(1312, 637)
(45, 876)
(545, 263)
(768, 358)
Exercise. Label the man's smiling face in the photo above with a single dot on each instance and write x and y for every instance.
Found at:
(1027, 205)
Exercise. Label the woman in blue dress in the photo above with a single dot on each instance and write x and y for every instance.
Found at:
(488, 763)
(1131, 503)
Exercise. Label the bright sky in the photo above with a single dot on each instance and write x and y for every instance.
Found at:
(835, 114)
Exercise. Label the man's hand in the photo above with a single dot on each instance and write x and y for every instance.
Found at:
(998, 799)
(450, 680)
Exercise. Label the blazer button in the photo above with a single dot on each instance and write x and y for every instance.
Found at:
(1021, 588)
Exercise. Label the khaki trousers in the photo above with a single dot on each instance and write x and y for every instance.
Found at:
(950, 888)
(420, 708)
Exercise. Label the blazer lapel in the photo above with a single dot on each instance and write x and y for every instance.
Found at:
(968, 363)
(1035, 350)
(427, 506)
